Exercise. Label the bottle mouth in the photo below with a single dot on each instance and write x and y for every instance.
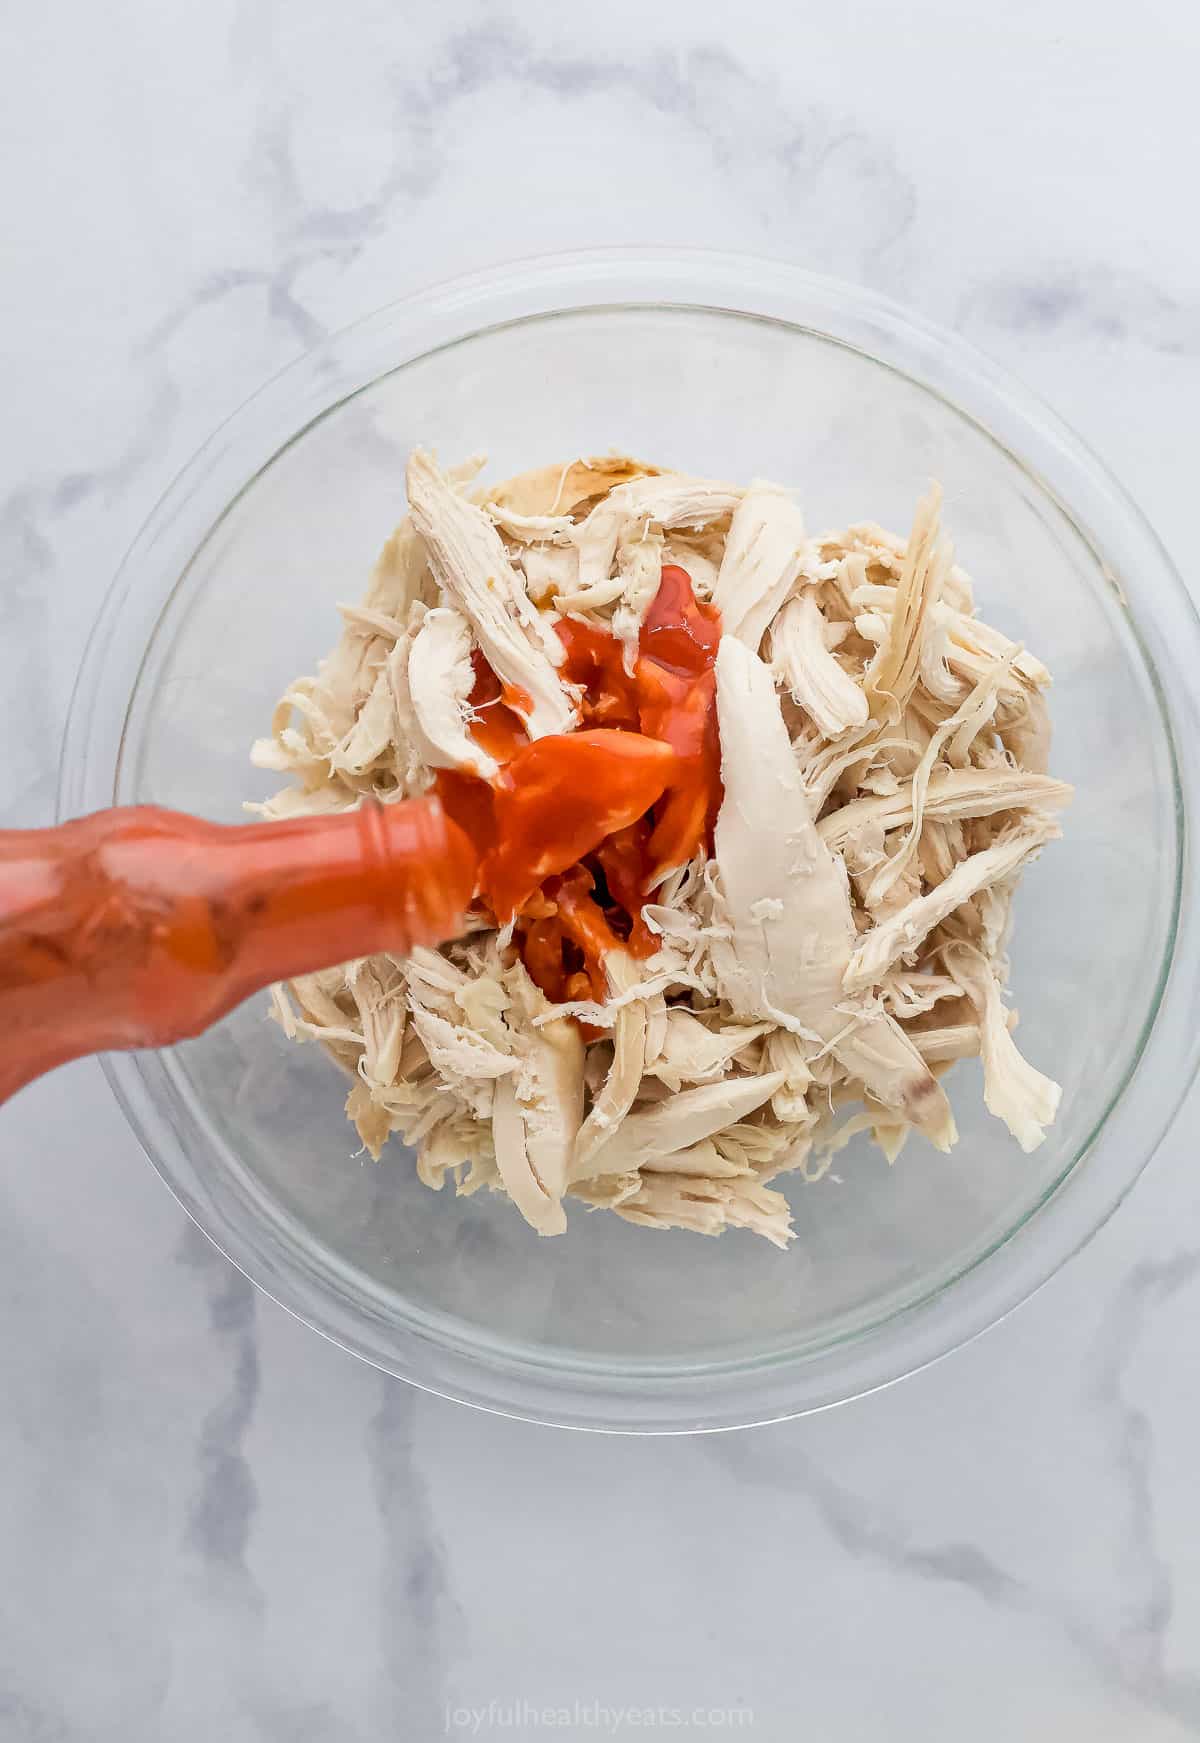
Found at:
(420, 867)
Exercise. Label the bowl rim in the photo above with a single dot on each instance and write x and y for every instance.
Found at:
(1129, 555)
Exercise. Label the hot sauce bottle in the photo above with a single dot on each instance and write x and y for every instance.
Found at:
(137, 927)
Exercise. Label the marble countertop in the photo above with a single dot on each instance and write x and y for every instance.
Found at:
(212, 1523)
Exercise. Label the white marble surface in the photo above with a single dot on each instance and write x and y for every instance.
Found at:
(214, 1525)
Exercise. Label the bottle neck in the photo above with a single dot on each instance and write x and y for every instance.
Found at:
(314, 891)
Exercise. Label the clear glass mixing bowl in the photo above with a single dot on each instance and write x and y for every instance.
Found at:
(736, 368)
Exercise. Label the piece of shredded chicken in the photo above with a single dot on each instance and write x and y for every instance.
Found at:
(883, 760)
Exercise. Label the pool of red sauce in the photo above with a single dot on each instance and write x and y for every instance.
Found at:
(638, 789)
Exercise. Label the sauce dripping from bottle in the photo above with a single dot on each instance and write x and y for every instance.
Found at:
(579, 828)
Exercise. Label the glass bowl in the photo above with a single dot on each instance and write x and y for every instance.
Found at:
(737, 368)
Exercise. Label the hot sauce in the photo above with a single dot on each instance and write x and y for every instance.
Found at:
(559, 798)
(579, 828)
(498, 729)
(594, 659)
(677, 702)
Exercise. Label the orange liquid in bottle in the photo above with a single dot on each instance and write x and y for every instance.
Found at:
(137, 927)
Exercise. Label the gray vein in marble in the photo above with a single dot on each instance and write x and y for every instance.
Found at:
(22, 1722)
(226, 1498)
(1093, 302)
(281, 303)
(739, 117)
(26, 560)
(1149, 1286)
(23, 544)
(416, 1605)
(857, 1526)
(149, 435)
(282, 1721)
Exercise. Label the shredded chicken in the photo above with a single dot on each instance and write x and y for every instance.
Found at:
(813, 974)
